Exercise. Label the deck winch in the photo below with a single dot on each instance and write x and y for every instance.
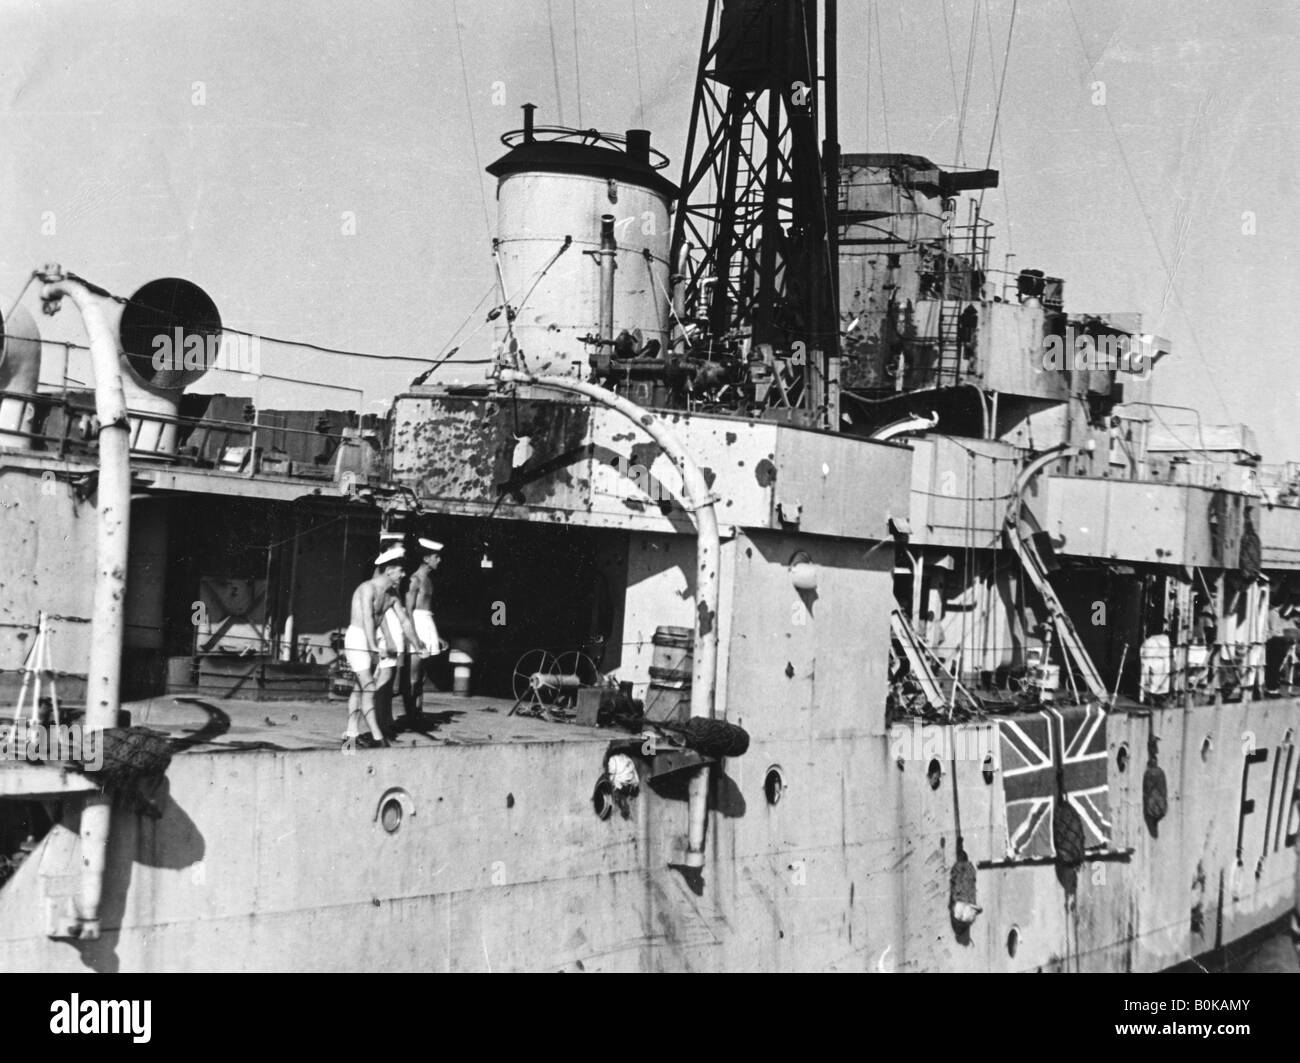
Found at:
(548, 686)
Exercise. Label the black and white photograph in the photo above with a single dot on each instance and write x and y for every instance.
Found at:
(637, 486)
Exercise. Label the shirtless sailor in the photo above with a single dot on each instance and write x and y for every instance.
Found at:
(397, 637)
(369, 653)
(419, 601)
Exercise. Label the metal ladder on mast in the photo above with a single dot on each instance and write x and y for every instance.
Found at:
(948, 363)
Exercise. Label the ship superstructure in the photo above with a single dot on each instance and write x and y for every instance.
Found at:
(818, 597)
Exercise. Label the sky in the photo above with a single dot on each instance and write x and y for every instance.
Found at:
(317, 167)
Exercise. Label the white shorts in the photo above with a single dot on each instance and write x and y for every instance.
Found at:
(355, 650)
(391, 639)
(422, 619)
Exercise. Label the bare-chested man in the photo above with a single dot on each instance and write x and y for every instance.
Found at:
(370, 654)
(419, 601)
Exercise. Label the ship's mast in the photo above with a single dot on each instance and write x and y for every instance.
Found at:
(758, 199)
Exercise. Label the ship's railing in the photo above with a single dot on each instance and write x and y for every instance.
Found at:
(1200, 670)
(973, 240)
(1226, 474)
(1280, 483)
(1224, 668)
(202, 442)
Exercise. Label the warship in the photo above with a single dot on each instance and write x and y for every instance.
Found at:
(817, 596)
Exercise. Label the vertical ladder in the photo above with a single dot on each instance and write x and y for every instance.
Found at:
(948, 366)
(745, 207)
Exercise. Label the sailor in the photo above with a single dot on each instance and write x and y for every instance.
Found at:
(397, 639)
(1279, 650)
(1154, 658)
(362, 648)
(419, 600)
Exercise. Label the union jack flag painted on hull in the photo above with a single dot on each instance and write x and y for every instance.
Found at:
(1033, 748)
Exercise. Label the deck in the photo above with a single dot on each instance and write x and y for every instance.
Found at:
(229, 725)
(212, 724)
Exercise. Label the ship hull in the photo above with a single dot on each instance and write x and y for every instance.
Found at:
(280, 861)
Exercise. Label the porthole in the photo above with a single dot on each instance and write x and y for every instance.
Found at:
(774, 785)
(1121, 757)
(395, 807)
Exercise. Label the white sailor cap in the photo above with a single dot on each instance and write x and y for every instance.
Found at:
(389, 556)
(429, 546)
(391, 538)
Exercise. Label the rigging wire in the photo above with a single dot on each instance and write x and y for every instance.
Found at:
(1170, 428)
(866, 88)
(636, 51)
(277, 340)
(1002, 153)
(1151, 231)
(970, 64)
(577, 64)
(445, 355)
(952, 66)
(1002, 84)
(880, 68)
(14, 305)
(568, 242)
(469, 109)
(555, 62)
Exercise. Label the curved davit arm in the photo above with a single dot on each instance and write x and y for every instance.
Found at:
(112, 539)
(699, 501)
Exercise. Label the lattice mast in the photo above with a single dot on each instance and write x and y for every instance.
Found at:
(754, 233)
